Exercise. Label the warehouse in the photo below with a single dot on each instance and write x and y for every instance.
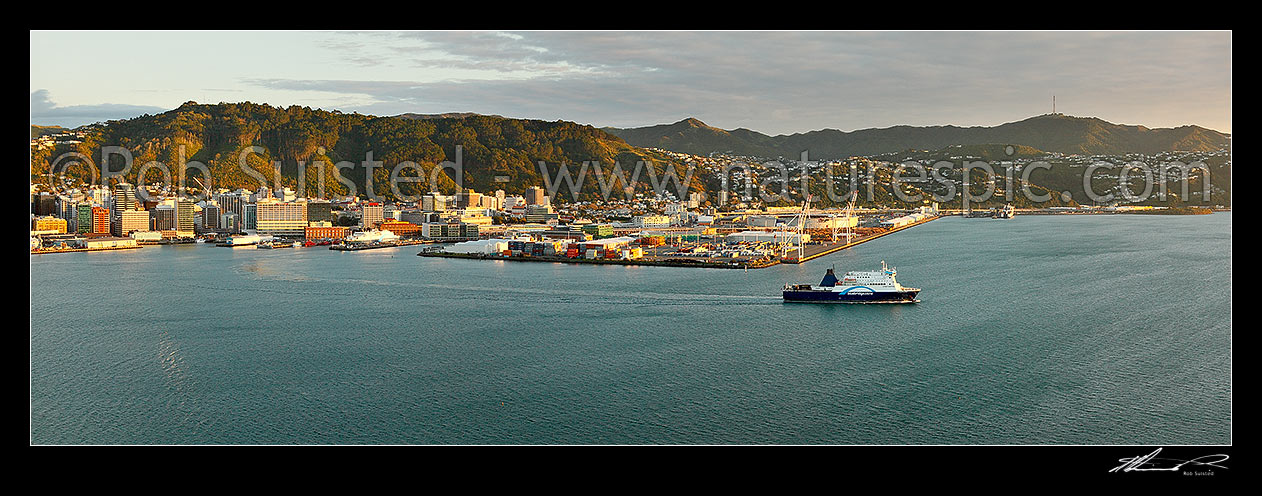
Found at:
(768, 237)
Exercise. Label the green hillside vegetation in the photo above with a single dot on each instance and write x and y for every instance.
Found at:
(491, 147)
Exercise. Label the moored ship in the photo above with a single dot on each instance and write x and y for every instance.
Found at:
(853, 287)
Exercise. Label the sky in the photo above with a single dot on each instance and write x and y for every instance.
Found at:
(774, 82)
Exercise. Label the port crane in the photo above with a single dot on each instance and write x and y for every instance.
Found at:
(801, 229)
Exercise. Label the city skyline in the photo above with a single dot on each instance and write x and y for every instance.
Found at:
(771, 82)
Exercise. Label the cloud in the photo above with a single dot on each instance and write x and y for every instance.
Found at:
(46, 112)
(784, 82)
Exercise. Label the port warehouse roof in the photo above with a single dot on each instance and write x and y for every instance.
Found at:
(621, 240)
(767, 236)
(496, 245)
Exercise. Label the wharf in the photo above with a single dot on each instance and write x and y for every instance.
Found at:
(80, 250)
(811, 252)
(674, 262)
(376, 246)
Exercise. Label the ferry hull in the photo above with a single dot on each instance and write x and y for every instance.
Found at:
(809, 296)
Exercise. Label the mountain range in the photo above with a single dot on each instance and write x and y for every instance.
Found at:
(1050, 132)
(506, 153)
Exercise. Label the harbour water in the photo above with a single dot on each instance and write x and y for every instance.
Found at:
(1035, 330)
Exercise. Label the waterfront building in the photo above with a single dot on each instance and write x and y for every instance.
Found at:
(147, 237)
(443, 231)
(233, 203)
(68, 210)
(605, 248)
(373, 214)
(132, 221)
(327, 232)
(599, 231)
(902, 221)
(124, 198)
(319, 211)
(100, 220)
(229, 222)
(278, 218)
(108, 243)
(50, 224)
(184, 224)
(210, 217)
(83, 223)
(403, 229)
(249, 217)
(162, 217)
(565, 232)
(777, 237)
(761, 221)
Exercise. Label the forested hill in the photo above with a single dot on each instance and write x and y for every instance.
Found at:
(496, 152)
(1051, 132)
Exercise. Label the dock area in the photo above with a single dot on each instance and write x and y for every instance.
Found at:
(811, 252)
(81, 250)
(374, 246)
(666, 262)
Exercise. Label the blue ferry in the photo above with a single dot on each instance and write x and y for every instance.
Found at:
(854, 287)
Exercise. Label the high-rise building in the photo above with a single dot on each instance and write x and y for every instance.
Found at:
(162, 217)
(373, 214)
(468, 198)
(280, 218)
(319, 211)
(210, 217)
(124, 197)
(184, 217)
(233, 203)
(84, 218)
(435, 202)
(132, 221)
(249, 216)
(100, 194)
(70, 212)
(536, 196)
(100, 220)
(416, 217)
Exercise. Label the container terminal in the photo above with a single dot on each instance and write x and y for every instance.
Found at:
(757, 244)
